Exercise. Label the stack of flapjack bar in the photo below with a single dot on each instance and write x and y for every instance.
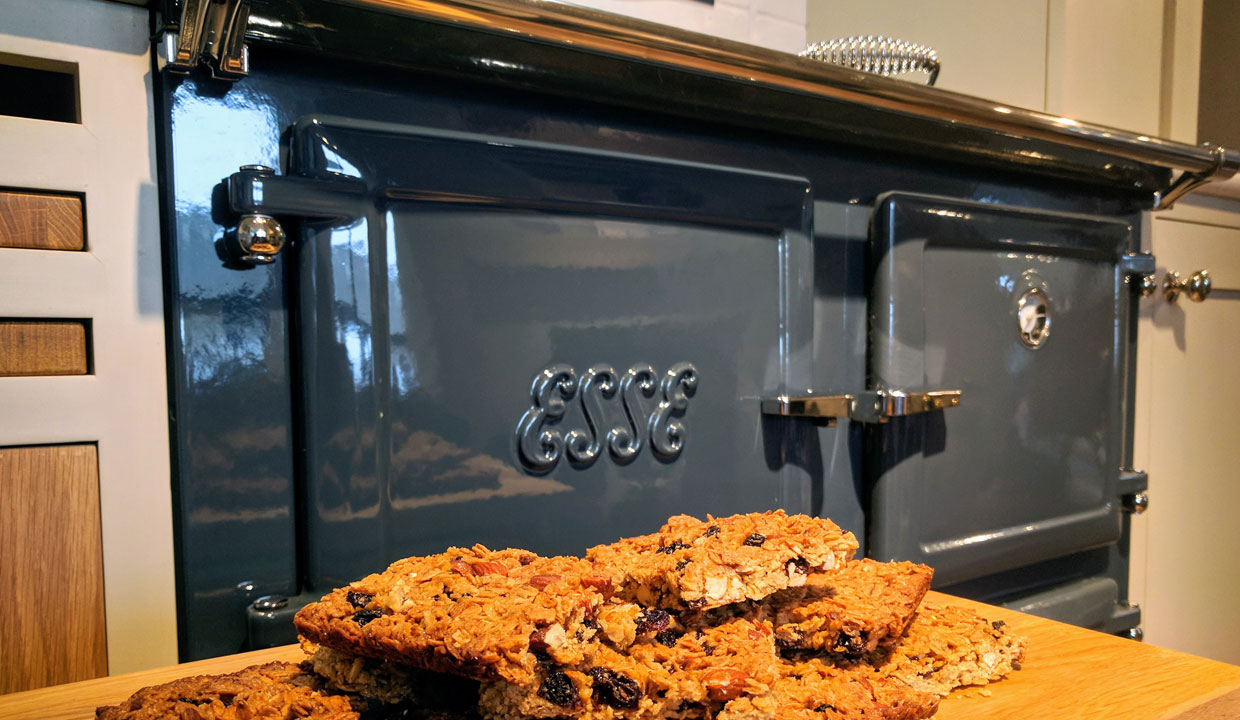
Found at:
(762, 616)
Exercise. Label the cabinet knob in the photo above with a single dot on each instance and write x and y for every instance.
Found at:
(1197, 286)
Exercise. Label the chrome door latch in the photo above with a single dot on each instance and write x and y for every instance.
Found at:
(211, 33)
(1138, 270)
(263, 202)
(870, 406)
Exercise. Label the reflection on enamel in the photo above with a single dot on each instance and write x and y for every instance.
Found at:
(336, 163)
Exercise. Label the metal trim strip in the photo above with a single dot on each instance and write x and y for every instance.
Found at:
(580, 28)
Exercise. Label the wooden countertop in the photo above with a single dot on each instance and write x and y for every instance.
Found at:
(1067, 673)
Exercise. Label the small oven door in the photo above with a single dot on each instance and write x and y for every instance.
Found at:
(527, 344)
(1022, 311)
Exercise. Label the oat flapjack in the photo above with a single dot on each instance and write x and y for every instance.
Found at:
(261, 692)
(948, 647)
(863, 606)
(813, 690)
(671, 674)
(702, 564)
(475, 612)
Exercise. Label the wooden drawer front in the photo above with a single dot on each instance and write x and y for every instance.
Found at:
(41, 222)
(51, 600)
(43, 347)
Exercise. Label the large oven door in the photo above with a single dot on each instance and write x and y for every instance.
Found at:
(509, 342)
(1021, 311)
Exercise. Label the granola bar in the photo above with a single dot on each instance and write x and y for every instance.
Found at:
(702, 564)
(854, 611)
(813, 690)
(275, 690)
(672, 673)
(948, 647)
(488, 615)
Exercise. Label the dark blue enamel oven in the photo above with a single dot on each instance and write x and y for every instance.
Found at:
(528, 275)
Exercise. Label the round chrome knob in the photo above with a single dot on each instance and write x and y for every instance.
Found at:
(1136, 634)
(261, 238)
(1136, 503)
(1149, 283)
(1197, 286)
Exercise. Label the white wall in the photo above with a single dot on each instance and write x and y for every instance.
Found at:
(995, 50)
(1094, 60)
(774, 24)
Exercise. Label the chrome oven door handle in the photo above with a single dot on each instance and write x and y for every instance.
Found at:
(872, 406)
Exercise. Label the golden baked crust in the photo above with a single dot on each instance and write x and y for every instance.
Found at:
(863, 606)
(489, 615)
(948, 647)
(813, 690)
(702, 564)
(275, 690)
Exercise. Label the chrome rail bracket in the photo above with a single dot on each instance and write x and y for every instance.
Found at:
(1189, 181)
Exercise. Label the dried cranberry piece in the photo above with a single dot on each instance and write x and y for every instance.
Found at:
(361, 617)
(652, 620)
(612, 688)
(998, 624)
(538, 640)
(683, 563)
(667, 638)
(755, 540)
(711, 531)
(559, 689)
(359, 600)
(194, 701)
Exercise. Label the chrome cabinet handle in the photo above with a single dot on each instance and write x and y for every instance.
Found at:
(829, 407)
(870, 406)
(1197, 286)
(879, 55)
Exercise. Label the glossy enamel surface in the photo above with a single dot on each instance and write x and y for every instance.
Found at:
(371, 382)
(1025, 469)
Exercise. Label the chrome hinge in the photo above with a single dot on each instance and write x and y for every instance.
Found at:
(211, 33)
(261, 201)
(871, 406)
